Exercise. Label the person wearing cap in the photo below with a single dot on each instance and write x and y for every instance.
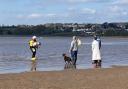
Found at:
(33, 44)
(74, 49)
(96, 55)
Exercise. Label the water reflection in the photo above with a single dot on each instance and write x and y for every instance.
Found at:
(33, 65)
(69, 66)
(17, 58)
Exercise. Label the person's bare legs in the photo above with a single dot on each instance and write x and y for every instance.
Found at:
(94, 65)
(99, 64)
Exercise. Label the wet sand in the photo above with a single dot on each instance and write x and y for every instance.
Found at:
(110, 78)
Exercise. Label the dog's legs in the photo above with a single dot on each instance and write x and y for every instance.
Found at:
(70, 64)
(66, 65)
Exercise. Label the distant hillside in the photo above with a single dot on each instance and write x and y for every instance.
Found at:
(67, 29)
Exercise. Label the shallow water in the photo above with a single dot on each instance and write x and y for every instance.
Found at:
(15, 54)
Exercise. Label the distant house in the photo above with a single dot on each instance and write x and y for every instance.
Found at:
(67, 25)
(81, 25)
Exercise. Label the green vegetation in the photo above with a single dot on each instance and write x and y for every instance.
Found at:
(67, 29)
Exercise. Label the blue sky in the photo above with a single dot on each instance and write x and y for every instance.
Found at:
(62, 11)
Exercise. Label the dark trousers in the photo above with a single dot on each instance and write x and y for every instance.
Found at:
(74, 57)
(33, 50)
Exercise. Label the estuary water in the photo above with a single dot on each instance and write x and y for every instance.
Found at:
(15, 54)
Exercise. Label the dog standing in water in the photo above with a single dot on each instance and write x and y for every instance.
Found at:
(68, 61)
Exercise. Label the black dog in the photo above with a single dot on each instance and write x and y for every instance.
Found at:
(68, 61)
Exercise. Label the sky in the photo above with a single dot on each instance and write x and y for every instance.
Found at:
(33, 12)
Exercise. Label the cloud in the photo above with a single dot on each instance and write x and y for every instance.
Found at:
(86, 1)
(35, 15)
(71, 15)
(117, 10)
(20, 16)
(51, 15)
(81, 10)
(76, 1)
(69, 2)
(124, 13)
(29, 16)
(88, 11)
(38, 11)
(121, 2)
(112, 13)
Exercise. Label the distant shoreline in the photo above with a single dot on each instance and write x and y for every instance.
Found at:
(55, 36)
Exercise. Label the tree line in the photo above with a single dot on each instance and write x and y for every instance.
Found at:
(55, 29)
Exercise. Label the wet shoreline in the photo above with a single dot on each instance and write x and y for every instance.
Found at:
(105, 78)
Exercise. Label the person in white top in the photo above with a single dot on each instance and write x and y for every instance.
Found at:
(74, 49)
(96, 55)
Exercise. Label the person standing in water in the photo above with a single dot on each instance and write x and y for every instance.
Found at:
(74, 49)
(33, 47)
(96, 55)
(99, 41)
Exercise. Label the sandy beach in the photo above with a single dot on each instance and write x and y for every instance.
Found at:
(110, 78)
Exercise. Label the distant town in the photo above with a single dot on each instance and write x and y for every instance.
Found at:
(67, 29)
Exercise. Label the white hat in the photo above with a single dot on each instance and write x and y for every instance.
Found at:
(34, 37)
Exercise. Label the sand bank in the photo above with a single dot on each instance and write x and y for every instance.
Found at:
(111, 78)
